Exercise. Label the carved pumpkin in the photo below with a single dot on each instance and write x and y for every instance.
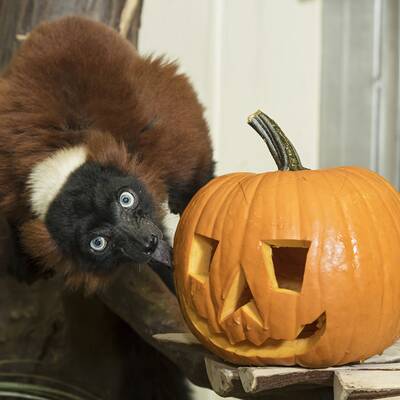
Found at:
(294, 266)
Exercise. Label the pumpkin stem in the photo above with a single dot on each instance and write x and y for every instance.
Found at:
(282, 150)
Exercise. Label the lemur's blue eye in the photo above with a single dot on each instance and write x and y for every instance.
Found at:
(127, 200)
(98, 243)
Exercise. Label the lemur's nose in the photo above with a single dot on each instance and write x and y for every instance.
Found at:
(150, 244)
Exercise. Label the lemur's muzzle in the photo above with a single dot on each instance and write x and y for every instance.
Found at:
(162, 254)
(144, 236)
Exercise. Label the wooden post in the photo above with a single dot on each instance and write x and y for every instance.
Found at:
(18, 17)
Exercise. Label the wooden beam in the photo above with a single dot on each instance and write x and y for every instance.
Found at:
(228, 380)
(256, 380)
(224, 379)
(141, 299)
(365, 384)
(19, 17)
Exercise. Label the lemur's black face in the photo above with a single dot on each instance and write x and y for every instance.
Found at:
(103, 218)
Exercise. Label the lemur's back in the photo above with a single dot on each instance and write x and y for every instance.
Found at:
(79, 72)
(74, 75)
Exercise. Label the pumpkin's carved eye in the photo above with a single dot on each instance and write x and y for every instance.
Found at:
(202, 253)
(286, 262)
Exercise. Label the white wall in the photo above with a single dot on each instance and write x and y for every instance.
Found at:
(242, 55)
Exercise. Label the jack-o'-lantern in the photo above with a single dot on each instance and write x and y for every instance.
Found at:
(291, 267)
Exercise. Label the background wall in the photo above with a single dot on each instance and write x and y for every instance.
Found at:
(242, 55)
(360, 111)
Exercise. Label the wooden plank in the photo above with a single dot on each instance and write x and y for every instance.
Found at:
(261, 379)
(256, 380)
(184, 338)
(227, 380)
(390, 355)
(224, 379)
(375, 367)
(365, 384)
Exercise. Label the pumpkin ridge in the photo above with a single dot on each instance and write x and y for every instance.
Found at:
(261, 178)
(303, 194)
(202, 196)
(225, 206)
(218, 188)
(346, 230)
(276, 176)
(231, 179)
(396, 223)
(217, 253)
(274, 196)
(322, 216)
(395, 220)
(359, 174)
(300, 234)
(285, 180)
(379, 336)
(372, 183)
(207, 191)
(221, 188)
(354, 180)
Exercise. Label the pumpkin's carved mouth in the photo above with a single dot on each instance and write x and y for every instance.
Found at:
(239, 326)
(307, 338)
(313, 328)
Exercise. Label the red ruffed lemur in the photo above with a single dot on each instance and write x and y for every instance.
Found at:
(94, 140)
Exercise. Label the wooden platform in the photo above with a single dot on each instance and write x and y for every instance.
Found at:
(378, 377)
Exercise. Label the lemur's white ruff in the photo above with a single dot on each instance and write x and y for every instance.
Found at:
(48, 177)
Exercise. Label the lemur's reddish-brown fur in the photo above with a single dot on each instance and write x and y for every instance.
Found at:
(76, 81)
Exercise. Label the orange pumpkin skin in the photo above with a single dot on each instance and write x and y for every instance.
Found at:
(348, 217)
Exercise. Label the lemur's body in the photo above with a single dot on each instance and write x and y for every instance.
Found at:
(93, 140)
